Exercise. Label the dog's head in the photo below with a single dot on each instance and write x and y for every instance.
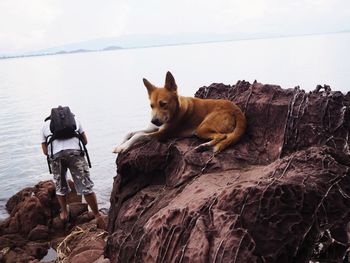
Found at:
(164, 101)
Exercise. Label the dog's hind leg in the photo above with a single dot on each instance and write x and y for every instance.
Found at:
(207, 133)
(207, 145)
(234, 136)
(215, 127)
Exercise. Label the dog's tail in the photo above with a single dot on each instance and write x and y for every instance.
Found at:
(233, 137)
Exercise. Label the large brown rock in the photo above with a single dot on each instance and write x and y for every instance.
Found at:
(282, 194)
(29, 208)
(40, 232)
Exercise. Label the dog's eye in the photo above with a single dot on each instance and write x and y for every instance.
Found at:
(152, 106)
(162, 104)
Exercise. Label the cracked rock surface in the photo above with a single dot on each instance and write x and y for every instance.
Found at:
(282, 194)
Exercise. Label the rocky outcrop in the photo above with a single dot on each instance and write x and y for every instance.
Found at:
(34, 226)
(282, 194)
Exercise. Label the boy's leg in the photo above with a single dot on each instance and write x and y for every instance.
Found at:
(83, 184)
(63, 204)
(92, 202)
(59, 170)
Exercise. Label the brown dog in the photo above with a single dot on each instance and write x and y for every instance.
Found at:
(219, 121)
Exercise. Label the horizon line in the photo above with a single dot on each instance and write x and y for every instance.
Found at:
(115, 47)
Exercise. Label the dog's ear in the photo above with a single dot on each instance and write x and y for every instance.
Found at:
(150, 87)
(170, 83)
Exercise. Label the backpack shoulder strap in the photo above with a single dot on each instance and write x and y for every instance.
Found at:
(49, 140)
(81, 143)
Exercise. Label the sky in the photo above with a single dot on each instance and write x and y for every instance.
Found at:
(27, 25)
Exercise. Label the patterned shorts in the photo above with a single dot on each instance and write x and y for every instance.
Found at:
(79, 169)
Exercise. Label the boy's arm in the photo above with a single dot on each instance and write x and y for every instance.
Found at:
(84, 138)
(44, 148)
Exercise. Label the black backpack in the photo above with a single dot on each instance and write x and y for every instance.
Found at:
(63, 126)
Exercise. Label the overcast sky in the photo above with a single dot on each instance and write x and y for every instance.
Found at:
(36, 24)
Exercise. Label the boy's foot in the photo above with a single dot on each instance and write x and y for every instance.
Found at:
(101, 222)
(65, 217)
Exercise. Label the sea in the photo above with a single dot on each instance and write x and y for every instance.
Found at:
(106, 93)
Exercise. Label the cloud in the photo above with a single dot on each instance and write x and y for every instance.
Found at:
(24, 23)
(192, 16)
(82, 20)
(222, 16)
(38, 24)
(34, 24)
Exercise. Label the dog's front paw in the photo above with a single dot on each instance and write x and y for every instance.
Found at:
(118, 149)
(128, 136)
(202, 147)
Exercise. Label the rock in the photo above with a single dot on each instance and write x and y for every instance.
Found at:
(84, 218)
(101, 222)
(17, 255)
(280, 195)
(34, 222)
(46, 193)
(40, 232)
(30, 207)
(11, 241)
(18, 198)
(102, 259)
(77, 209)
(37, 250)
(57, 224)
(28, 216)
(83, 244)
(87, 256)
(31, 212)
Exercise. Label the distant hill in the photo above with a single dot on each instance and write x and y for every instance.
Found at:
(135, 41)
(111, 48)
(144, 40)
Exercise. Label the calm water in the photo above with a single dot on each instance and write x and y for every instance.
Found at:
(106, 93)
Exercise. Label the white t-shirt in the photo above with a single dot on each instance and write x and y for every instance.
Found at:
(60, 145)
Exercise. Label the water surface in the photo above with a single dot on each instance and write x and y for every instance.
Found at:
(105, 91)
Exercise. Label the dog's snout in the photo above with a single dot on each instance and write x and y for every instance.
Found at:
(157, 122)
